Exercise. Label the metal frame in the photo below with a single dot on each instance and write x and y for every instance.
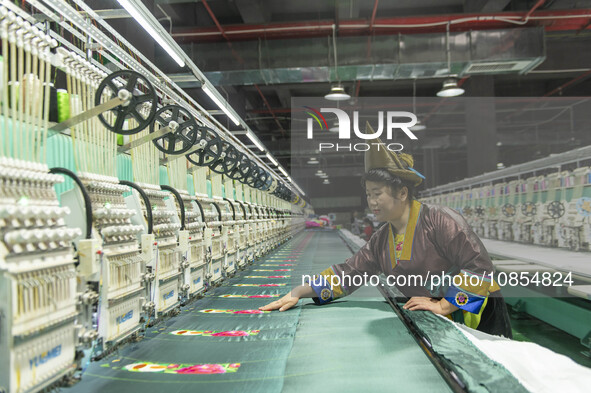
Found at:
(552, 161)
(158, 78)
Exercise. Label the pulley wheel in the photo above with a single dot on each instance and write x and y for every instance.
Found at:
(141, 106)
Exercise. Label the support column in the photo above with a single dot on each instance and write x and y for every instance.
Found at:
(481, 126)
(430, 168)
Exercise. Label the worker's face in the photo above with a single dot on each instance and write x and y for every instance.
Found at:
(382, 203)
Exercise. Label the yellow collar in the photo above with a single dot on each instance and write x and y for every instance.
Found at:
(406, 255)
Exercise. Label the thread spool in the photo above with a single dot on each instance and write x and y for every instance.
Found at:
(63, 105)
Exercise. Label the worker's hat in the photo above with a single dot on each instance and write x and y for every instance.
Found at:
(398, 164)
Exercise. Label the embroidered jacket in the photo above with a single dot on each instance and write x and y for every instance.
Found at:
(438, 242)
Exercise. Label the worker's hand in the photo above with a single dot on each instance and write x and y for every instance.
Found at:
(442, 306)
(285, 303)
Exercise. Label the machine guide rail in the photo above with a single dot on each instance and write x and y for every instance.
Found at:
(146, 138)
(393, 298)
(124, 97)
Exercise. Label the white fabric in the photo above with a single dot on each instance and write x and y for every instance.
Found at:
(537, 368)
(356, 240)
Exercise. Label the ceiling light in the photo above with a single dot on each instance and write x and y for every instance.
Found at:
(326, 181)
(450, 88)
(500, 165)
(255, 140)
(419, 126)
(272, 159)
(285, 173)
(313, 161)
(337, 93)
(222, 106)
(324, 176)
(136, 12)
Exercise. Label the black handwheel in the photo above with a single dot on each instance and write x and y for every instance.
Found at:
(268, 183)
(253, 175)
(141, 106)
(528, 209)
(262, 179)
(479, 211)
(227, 160)
(556, 209)
(183, 133)
(243, 168)
(273, 185)
(212, 147)
(508, 210)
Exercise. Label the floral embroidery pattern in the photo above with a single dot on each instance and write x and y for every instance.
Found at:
(260, 285)
(461, 298)
(144, 367)
(216, 333)
(399, 240)
(272, 270)
(217, 311)
(249, 296)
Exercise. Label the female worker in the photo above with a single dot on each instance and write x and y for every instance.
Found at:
(420, 239)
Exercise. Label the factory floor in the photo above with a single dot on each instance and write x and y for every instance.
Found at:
(345, 346)
(221, 343)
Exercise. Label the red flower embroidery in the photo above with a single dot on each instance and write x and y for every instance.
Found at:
(203, 369)
(269, 285)
(399, 246)
(260, 296)
(248, 312)
(277, 276)
(231, 333)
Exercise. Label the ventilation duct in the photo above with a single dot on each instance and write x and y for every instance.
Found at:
(402, 56)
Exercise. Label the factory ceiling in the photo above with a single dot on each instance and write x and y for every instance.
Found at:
(262, 53)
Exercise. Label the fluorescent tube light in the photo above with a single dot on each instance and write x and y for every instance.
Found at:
(272, 159)
(255, 140)
(134, 11)
(283, 171)
(223, 107)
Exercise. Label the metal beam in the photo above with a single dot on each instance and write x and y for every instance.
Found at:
(562, 20)
(253, 11)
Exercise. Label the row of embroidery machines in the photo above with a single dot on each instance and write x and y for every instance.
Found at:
(119, 202)
(551, 209)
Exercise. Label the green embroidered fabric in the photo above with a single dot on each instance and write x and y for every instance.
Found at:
(222, 363)
(476, 370)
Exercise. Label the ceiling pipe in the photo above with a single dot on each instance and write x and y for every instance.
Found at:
(555, 20)
(270, 109)
(534, 8)
(574, 81)
(373, 16)
(241, 61)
